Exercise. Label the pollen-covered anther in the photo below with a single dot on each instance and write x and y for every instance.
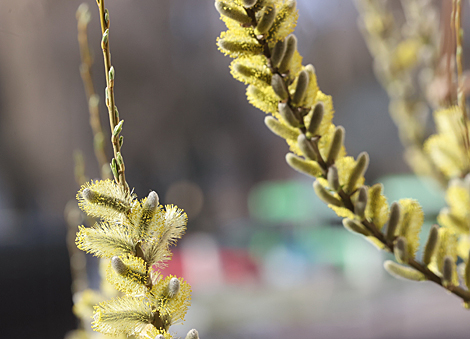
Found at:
(266, 20)
(232, 12)
(192, 334)
(118, 265)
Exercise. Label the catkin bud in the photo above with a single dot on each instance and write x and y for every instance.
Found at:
(301, 88)
(361, 202)
(118, 265)
(160, 336)
(97, 198)
(333, 178)
(291, 47)
(280, 129)
(355, 226)
(233, 13)
(326, 196)
(431, 244)
(148, 211)
(403, 272)
(172, 288)
(336, 145)
(277, 53)
(447, 270)
(393, 221)
(279, 86)
(317, 117)
(358, 171)
(303, 166)
(266, 20)
(287, 114)
(192, 334)
(400, 249)
(306, 147)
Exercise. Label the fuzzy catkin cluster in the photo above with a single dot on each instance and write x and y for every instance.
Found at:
(135, 235)
(266, 59)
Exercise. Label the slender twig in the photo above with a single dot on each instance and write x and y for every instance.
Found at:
(83, 18)
(346, 198)
(118, 163)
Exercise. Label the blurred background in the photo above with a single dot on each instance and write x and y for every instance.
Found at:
(265, 257)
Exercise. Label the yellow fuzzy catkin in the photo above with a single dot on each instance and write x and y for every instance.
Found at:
(149, 209)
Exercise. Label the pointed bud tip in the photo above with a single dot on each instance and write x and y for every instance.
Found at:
(118, 265)
(192, 334)
(88, 194)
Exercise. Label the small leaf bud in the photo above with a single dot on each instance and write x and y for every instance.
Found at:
(447, 270)
(317, 118)
(106, 17)
(326, 196)
(114, 168)
(111, 74)
(119, 159)
(116, 113)
(118, 128)
(393, 221)
(303, 166)
(358, 171)
(355, 226)
(291, 47)
(277, 53)
(336, 145)
(279, 86)
(105, 40)
(121, 141)
(118, 265)
(430, 244)
(333, 178)
(266, 20)
(400, 249)
(287, 114)
(192, 334)
(306, 147)
(361, 202)
(301, 89)
(233, 13)
(403, 272)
